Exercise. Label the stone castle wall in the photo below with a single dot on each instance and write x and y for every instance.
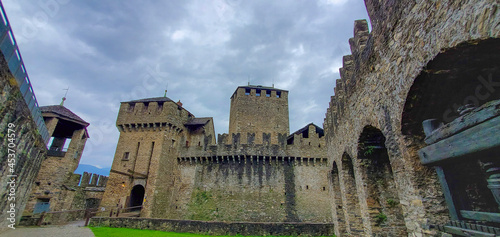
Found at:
(29, 146)
(374, 94)
(186, 175)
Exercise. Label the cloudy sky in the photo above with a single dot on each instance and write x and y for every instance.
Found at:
(112, 51)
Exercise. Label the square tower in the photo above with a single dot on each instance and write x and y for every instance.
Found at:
(258, 110)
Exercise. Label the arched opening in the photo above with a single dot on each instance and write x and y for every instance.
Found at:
(338, 207)
(351, 210)
(136, 197)
(384, 208)
(450, 86)
(466, 74)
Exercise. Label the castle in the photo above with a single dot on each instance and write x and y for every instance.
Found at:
(411, 137)
(169, 159)
(409, 148)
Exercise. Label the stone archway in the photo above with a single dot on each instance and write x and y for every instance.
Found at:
(336, 195)
(468, 74)
(352, 208)
(384, 208)
(136, 197)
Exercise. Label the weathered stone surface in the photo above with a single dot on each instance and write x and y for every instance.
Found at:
(259, 173)
(28, 146)
(420, 61)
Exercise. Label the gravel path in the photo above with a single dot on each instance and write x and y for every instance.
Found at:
(70, 230)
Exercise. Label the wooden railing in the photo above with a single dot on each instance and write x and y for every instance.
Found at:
(87, 213)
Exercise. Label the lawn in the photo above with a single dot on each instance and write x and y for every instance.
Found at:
(119, 232)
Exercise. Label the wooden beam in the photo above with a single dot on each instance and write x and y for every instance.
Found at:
(137, 173)
(484, 113)
(447, 193)
(465, 232)
(481, 216)
(481, 137)
(122, 173)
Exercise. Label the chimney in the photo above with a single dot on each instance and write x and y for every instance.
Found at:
(179, 103)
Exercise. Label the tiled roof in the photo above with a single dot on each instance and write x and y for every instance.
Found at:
(62, 111)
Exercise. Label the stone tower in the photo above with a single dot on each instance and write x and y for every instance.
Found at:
(151, 132)
(258, 110)
(68, 137)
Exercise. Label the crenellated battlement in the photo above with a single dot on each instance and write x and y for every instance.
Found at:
(251, 138)
(90, 180)
(269, 93)
(142, 127)
(152, 111)
(306, 142)
(253, 160)
(352, 63)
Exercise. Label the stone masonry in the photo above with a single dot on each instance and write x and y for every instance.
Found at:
(54, 181)
(29, 147)
(421, 60)
(168, 161)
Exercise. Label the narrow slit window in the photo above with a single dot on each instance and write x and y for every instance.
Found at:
(125, 155)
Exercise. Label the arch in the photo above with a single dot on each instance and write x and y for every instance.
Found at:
(338, 207)
(352, 208)
(136, 197)
(466, 74)
(382, 199)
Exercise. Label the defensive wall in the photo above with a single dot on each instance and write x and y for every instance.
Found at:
(22, 130)
(421, 60)
(172, 155)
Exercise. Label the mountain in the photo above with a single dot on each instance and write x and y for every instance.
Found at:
(92, 169)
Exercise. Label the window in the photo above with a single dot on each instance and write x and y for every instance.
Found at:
(257, 93)
(66, 144)
(42, 205)
(247, 91)
(278, 94)
(268, 93)
(125, 155)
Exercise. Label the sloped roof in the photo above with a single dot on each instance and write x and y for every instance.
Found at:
(63, 112)
(305, 128)
(154, 99)
(198, 121)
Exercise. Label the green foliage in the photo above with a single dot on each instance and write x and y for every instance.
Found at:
(368, 150)
(391, 203)
(380, 218)
(202, 207)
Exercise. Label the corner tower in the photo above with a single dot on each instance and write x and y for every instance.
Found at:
(259, 110)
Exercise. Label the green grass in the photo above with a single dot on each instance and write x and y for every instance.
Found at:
(119, 232)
